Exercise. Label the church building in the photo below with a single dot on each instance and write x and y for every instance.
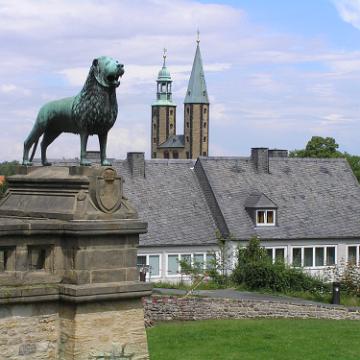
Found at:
(165, 143)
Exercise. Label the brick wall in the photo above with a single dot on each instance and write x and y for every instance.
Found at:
(167, 308)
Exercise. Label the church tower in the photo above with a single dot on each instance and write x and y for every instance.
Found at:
(163, 110)
(196, 111)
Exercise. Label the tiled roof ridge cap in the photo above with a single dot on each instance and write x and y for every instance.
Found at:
(305, 159)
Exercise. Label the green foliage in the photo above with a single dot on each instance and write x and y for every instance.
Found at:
(348, 274)
(327, 148)
(318, 147)
(194, 270)
(221, 264)
(255, 270)
(350, 279)
(354, 162)
(217, 268)
(280, 339)
(7, 169)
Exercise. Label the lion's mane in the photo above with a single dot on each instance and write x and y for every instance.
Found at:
(95, 107)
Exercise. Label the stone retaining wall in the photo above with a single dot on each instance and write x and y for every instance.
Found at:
(166, 308)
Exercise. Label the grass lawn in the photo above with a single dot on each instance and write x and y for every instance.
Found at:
(257, 339)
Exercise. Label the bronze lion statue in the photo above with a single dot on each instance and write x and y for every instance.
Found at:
(92, 111)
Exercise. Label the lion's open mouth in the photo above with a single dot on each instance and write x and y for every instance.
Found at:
(114, 79)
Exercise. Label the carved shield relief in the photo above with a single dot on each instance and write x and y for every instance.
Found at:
(108, 191)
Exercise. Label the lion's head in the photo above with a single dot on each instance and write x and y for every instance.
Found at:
(107, 71)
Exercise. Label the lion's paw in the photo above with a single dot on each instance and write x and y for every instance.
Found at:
(85, 162)
(27, 163)
(105, 163)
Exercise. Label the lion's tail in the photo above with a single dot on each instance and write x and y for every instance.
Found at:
(34, 150)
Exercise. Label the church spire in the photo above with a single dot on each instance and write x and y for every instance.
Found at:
(164, 94)
(196, 91)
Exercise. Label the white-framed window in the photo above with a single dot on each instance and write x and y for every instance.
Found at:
(353, 254)
(276, 254)
(173, 268)
(265, 217)
(172, 265)
(152, 261)
(313, 256)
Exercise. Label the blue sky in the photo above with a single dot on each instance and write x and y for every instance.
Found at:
(277, 71)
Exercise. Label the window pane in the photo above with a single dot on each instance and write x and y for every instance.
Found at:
(352, 254)
(308, 256)
(186, 257)
(199, 260)
(172, 264)
(330, 255)
(279, 255)
(296, 257)
(210, 261)
(319, 257)
(269, 253)
(141, 261)
(154, 265)
(261, 217)
(270, 217)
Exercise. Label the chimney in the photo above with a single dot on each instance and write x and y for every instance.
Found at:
(136, 162)
(276, 153)
(260, 158)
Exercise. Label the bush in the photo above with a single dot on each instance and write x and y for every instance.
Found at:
(348, 274)
(350, 280)
(255, 270)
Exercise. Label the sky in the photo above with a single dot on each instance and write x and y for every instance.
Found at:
(277, 72)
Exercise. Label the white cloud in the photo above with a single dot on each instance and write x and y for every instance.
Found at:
(263, 84)
(7, 88)
(11, 88)
(349, 11)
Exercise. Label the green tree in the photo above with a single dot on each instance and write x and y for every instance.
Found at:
(319, 147)
(354, 162)
(327, 147)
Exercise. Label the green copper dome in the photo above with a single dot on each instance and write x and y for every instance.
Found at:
(164, 74)
(164, 82)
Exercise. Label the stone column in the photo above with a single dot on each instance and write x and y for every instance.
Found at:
(72, 292)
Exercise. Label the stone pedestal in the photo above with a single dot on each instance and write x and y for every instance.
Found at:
(68, 245)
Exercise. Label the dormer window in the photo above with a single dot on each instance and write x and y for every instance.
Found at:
(261, 209)
(265, 217)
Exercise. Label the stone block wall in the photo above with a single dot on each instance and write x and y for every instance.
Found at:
(167, 308)
(29, 331)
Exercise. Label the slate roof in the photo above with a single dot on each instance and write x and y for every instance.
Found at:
(174, 141)
(259, 201)
(170, 199)
(316, 198)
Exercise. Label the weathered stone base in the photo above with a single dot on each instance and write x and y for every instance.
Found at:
(89, 330)
(71, 331)
(29, 331)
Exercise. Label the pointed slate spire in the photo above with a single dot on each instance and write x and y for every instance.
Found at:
(196, 91)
